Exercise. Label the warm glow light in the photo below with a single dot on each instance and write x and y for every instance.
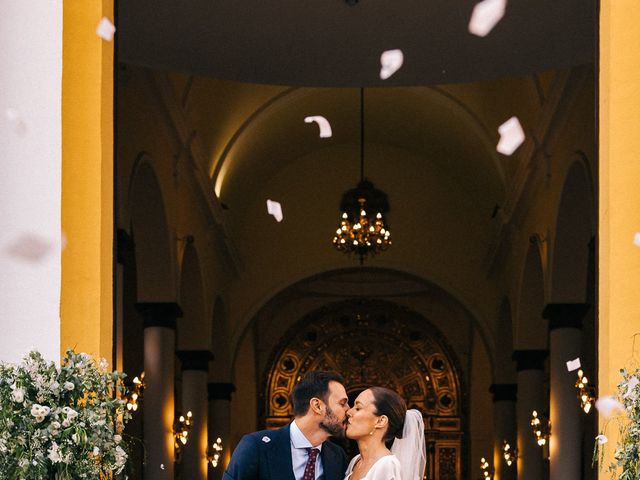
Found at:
(134, 397)
(541, 429)
(586, 393)
(181, 430)
(213, 455)
(484, 466)
(509, 454)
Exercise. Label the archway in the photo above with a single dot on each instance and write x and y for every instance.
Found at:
(531, 330)
(373, 342)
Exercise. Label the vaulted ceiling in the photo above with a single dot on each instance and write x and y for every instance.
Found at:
(338, 42)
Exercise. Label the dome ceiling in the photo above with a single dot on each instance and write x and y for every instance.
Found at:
(330, 43)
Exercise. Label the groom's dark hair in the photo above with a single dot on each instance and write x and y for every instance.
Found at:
(312, 385)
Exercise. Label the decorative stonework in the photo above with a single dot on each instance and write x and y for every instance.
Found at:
(373, 343)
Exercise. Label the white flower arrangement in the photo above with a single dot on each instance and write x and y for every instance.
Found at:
(624, 409)
(62, 422)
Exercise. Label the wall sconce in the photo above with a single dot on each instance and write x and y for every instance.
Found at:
(181, 428)
(213, 456)
(541, 428)
(586, 393)
(134, 397)
(484, 466)
(510, 454)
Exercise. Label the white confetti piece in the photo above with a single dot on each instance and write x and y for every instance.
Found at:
(275, 209)
(30, 247)
(162, 467)
(485, 16)
(636, 239)
(266, 439)
(511, 136)
(15, 121)
(573, 365)
(105, 29)
(608, 405)
(631, 384)
(602, 439)
(323, 123)
(390, 62)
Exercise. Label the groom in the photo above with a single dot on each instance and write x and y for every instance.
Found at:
(299, 451)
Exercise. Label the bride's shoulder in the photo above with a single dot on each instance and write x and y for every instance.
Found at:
(387, 462)
(387, 468)
(390, 459)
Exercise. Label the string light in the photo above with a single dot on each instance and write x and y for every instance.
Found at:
(586, 393)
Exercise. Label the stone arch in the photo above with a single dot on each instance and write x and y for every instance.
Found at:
(504, 371)
(531, 330)
(149, 227)
(402, 276)
(220, 341)
(193, 331)
(375, 342)
(574, 232)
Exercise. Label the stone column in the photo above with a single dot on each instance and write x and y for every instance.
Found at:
(220, 423)
(195, 368)
(531, 396)
(565, 340)
(504, 428)
(159, 373)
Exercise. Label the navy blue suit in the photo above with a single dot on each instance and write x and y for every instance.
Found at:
(255, 458)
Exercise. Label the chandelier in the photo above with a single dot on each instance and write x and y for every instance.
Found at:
(362, 229)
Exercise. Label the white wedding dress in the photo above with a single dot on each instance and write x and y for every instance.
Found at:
(386, 468)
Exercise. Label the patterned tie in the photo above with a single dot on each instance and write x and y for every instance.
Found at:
(310, 469)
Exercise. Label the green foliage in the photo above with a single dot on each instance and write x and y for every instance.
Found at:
(61, 422)
(626, 464)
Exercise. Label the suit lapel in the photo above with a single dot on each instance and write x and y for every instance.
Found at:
(280, 463)
(330, 463)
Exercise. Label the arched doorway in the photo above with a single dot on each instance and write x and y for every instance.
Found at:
(372, 342)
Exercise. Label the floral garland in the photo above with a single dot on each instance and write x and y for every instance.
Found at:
(624, 409)
(61, 422)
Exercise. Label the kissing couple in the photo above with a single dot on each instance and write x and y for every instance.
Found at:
(390, 438)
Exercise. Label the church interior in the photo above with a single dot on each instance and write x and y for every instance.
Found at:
(487, 290)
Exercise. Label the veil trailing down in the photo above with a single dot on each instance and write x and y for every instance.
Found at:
(410, 449)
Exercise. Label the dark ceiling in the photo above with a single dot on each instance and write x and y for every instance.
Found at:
(330, 43)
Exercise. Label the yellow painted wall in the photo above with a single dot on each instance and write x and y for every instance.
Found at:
(619, 258)
(87, 180)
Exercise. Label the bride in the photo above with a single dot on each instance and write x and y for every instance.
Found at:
(390, 438)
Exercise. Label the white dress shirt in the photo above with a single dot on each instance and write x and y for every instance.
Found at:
(299, 454)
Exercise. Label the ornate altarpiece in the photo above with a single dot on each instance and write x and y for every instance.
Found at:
(375, 343)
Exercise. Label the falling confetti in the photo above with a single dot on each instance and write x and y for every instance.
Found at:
(573, 365)
(390, 61)
(30, 247)
(485, 16)
(323, 123)
(162, 467)
(15, 121)
(511, 136)
(636, 239)
(608, 405)
(105, 29)
(275, 209)
(602, 439)
(631, 384)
